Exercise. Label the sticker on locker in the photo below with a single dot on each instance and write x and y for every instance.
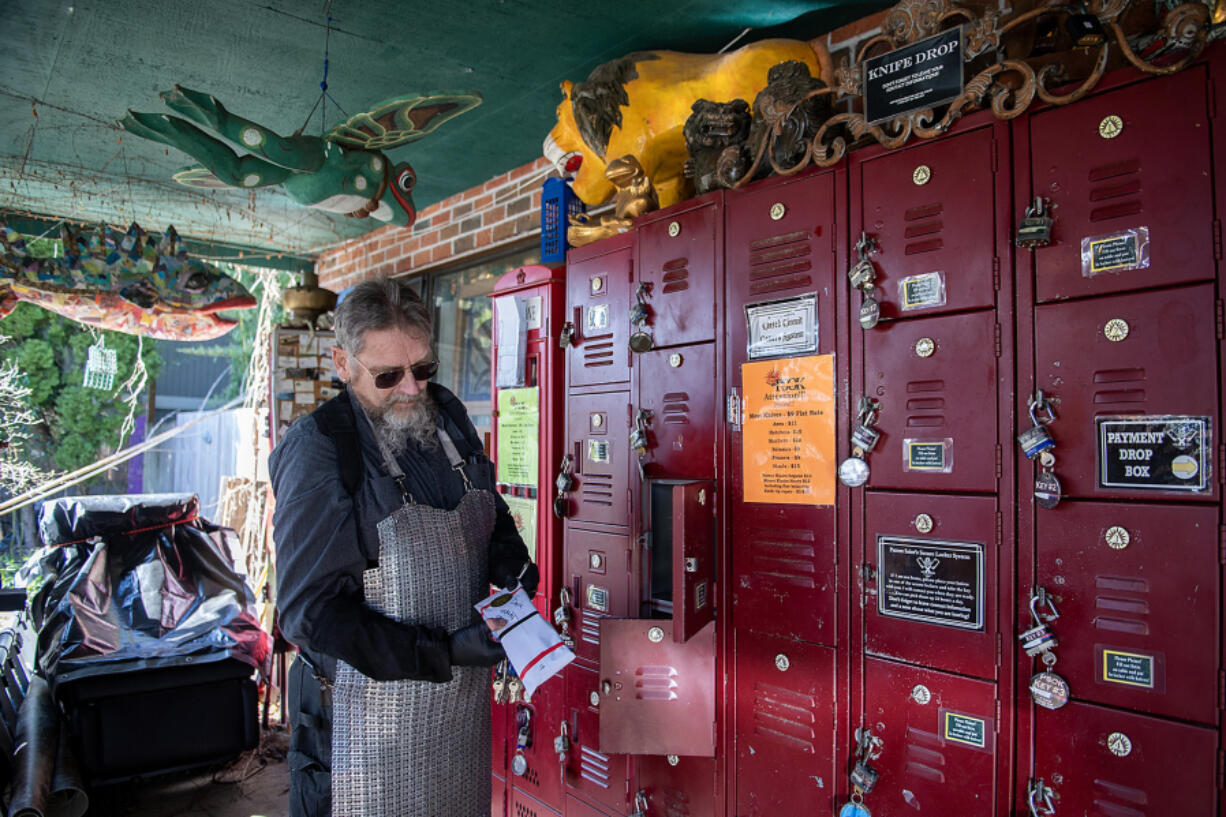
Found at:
(783, 327)
(1157, 453)
(933, 456)
(921, 291)
(931, 580)
(1115, 252)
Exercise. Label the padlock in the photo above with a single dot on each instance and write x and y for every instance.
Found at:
(864, 777)
(566, 336)
(862, 275)
(1038, 640)
(638, 441)
(1035, 440)
(1035, 229)
(561, 743)
(565, 483)
(638, 313)
(641, 342)
(863, 439)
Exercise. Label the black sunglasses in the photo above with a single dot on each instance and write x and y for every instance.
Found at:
(392, 377)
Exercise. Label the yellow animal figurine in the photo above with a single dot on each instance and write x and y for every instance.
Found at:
(638, 105)
(635, 196)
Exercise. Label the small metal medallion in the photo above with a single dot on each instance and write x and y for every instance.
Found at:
(1049, 690)
(597, 420)
(924, 347)
(519, 763)
(778, 211)
(1110, 127)
(593, 698)
(597, 284)
(596, 561)
(1119, 744)
(870, 313)
(921, 694)
(561, 508)
(641, 342)
(674, 359)
(922, 174)
(1116, 330)
(1117, 538)
(674, 229)
(854, 809)
(1047, 490)
(853, 472)
(923, 523)
(655, 635)
(673, 760)
(782, 663)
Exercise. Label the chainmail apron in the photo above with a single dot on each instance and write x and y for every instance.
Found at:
(418, 748)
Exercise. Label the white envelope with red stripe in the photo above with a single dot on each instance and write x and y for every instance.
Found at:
(535, 650)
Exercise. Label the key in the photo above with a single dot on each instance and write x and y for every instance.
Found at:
(515, 689)
(500, 683)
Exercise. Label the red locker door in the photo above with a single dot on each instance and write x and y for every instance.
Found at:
(593, 775)
(546, 710)
(910, 198)
(598, 441)
(598, 573)
(522, 805)
(932, 596)
(937, 737)
(1110, 363)
(1108, 165)
(597, 296)
(1140, 612)
(784, 727)
(675, 385)
(678, 252)
(677, 787)
(780, 248)
(1106, 762)
(498, 797)
(935, 379)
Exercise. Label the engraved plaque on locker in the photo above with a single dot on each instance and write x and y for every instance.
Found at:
(937, 413)
(1098, 187)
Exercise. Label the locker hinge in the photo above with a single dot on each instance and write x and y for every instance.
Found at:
(996, 338)
(1221, 462)
(1221, 318)
(995, 157)
(1000, 468)
(1000, 527)
(1221, 688)
(1221, 769)
(1217, 239)
(999, 658)
(733, 413)
(996, 274)
(996, 726)
(1221, 551)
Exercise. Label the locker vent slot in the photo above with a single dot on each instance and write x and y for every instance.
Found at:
(531, 777)
(924, 221)
(1118, 394)
(1119, 187)
(780, 262)
(1105, 791)
(655, 683)
(676, 277)
(927, 411)
(522, 810)
(597, 489)
(1120, 614)
(676, 408)
(783, 556)
(598, 354)
(786, 715)
(589, 628)
(922, 761)
(593, 766)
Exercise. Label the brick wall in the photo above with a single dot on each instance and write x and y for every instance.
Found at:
(503, 210)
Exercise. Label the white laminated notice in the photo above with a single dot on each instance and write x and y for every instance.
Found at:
(533, 647)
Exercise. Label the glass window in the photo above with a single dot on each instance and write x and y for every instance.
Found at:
(463, 329)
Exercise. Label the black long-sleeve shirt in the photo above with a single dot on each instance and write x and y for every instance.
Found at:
(326, 538)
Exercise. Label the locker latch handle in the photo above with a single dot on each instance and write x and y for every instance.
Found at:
(1039, 798)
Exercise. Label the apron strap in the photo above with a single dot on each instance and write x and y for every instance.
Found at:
(453, 456)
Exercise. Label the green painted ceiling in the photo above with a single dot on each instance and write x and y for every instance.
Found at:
(69, 69)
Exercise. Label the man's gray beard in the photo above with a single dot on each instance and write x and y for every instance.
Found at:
(395, 431)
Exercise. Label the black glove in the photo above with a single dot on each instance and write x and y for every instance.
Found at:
(473, 646)
(530, 580)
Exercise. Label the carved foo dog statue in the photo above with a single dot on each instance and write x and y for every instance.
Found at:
(635, 196)
(712, 128)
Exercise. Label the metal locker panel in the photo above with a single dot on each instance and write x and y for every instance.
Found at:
(929, 209)
(498, 797)
(694, 543)
(657, 695)
(1139, 604)
(686, 789)
(935, 379)
(678, 263)
(577, 808)
(598, 572)
(541, 780)
(784, 727)
(1100, 186)
(783, 560)
(675, 385)
(1151, 353)
(598, 297)
(1105, 763)
(938, 741)
(597, 439)
(523, 805)
(594, 775)
(931, 598)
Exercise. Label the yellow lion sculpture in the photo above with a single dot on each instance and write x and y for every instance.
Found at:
(638, 105)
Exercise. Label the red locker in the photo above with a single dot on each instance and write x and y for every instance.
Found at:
(541, 777)
(599, 575)
(678, 265)
(784, 731)
(1103, 761)
(1136, 157)
(593, 775)
(929, 210)
(931, 597)
(598, 280)
(937, 736)
(675, 385)
(523, 805)
(1116, 360)
(597, 440)
(1140, 608)
(677, 786)
(936, 381)
(498, 797)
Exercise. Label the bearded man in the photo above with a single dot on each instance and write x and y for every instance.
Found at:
(388, 530)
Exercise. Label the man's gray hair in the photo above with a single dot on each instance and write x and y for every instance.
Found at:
(380, 303)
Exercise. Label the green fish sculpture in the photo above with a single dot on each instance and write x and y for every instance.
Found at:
(128, 282)
(344, 172)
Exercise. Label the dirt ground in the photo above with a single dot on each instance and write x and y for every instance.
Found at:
(254, 785)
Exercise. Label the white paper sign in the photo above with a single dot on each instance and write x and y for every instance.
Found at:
(512, 340)
(533, 647)
(787, 327)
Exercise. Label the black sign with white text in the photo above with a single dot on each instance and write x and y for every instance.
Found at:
(931, 580)
(918, 76)
(1161, 453)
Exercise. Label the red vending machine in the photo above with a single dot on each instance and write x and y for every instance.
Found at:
(526, 444)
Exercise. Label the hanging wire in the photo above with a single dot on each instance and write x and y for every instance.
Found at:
(324, 96)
